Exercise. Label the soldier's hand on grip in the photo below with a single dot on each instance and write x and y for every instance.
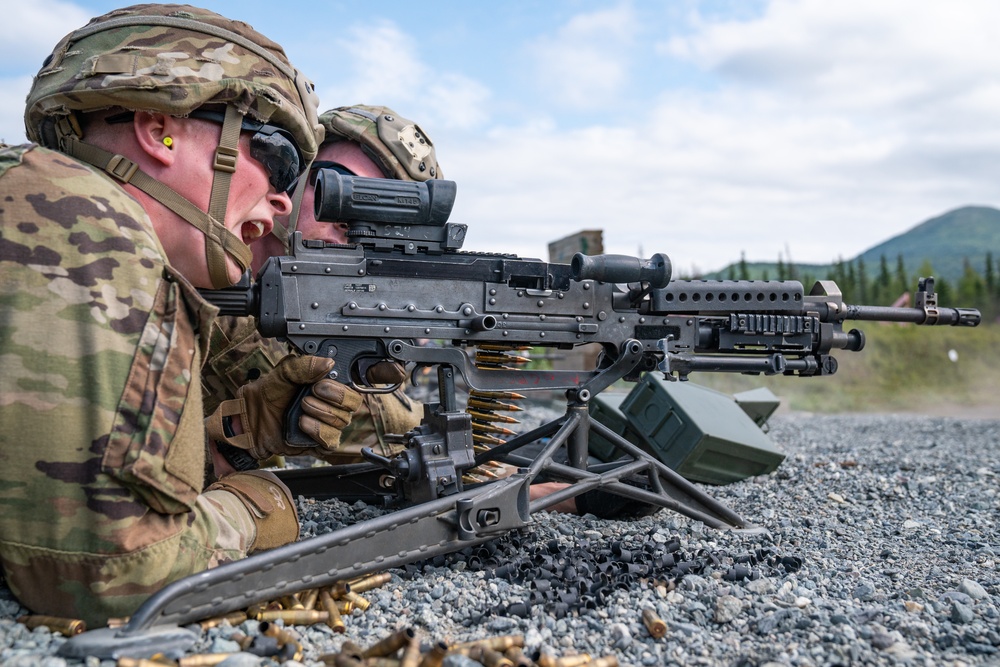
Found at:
(261, 407)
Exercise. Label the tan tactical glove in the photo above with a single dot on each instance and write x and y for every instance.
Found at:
(261, 406)
(270, 503)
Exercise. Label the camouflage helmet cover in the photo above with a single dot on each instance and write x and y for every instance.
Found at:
(170, 59)
(398, 146)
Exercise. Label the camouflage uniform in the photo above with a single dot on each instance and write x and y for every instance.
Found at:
(238, 354)
(102, 448)
(102, 439)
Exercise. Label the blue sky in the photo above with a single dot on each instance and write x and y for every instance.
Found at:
(810, 129)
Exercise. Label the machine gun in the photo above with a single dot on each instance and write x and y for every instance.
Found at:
(403, 278)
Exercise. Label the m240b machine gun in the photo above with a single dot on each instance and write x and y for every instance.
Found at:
(402, 278)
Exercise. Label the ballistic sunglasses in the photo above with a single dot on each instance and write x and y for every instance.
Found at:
(272, 146)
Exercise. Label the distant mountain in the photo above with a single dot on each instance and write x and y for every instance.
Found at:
(945, 241)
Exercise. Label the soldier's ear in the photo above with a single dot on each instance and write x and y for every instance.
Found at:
(154, 135)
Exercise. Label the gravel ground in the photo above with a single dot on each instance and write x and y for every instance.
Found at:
(879, 546)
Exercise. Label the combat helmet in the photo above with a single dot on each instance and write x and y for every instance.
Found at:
(174, 59)
(398, 146)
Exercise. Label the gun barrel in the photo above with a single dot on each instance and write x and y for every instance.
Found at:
(964, 317)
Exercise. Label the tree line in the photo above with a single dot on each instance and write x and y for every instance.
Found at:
(884, 284)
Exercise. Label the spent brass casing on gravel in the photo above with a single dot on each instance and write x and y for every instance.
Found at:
(67, 627)
(334, 621)
(573, 660)
(234, 618)
(656, 626)
(411, 653)
(488, 657)
(309, 598)
(294, 616)
(391, 644)
(435, 656)
(370, 581)
(203, 659)
(498, 643)
(359, 602)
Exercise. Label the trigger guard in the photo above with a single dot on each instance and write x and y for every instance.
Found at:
(359, 381)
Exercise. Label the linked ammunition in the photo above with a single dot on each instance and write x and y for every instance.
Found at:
(490, 417)
(334, 621)
(499, 347)
(489, 404)
(485, 427)
(500, 358)
(68, 627)
(498, 395)
(234, 618)
(435, 656)
(391, 644)
(487, 439)
(657, 628)
(295, 616)
(370, 581)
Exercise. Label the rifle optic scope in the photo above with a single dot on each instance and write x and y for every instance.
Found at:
(345, 198)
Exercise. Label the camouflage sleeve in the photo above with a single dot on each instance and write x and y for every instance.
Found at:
(102, 444)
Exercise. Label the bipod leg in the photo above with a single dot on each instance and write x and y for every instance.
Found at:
(666, 487)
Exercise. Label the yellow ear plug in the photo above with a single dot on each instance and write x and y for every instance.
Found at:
(168, 142)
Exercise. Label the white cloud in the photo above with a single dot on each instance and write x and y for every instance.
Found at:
(35, 27)
(384, 64)
(12, 109)
(587, 61)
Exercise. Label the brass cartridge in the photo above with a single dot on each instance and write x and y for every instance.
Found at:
(334, 619)
(573, 660)
(657, 628)
(435, 656)
(359, 602)
(390, 644)
(309, 598)
(234, 618)
(411, 653)
(370, 581)
(67, 627)
(203, 659)
(295, 616)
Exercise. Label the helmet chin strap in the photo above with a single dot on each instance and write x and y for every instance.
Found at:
(219, 241)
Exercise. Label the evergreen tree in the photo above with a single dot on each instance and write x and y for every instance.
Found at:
(861, 284)
(744, 269)
(882, 289)
(902, 283)
(781, 269)
(971, 286)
